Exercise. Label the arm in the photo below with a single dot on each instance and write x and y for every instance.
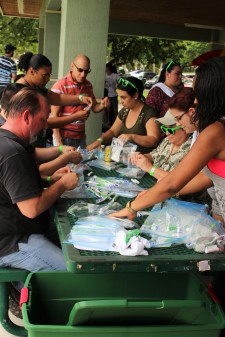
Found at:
(45, 154)
(13, 77)
(199, 183)
(65, 99)
(47, 169)
(33, 207)
(187, 169)
(98, 107)
(107, 136)
(56, 175)
(145, 162)
(152, 138)
(55, 113)
(56, 122)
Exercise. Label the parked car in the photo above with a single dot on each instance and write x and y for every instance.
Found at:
(149, 83)
(133, 73)
(187, 80)
(145, 75)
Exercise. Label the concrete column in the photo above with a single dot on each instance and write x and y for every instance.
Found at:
(41, 40)
(51, 42)
(84, 29)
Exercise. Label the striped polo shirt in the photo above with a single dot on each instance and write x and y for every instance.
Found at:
(67, 85)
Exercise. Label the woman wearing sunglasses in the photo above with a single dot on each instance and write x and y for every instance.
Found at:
(135, 123)
(169, 82)
(174, 147)
(204, 165)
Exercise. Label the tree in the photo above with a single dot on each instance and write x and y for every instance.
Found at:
(147, 52)
(22, 33)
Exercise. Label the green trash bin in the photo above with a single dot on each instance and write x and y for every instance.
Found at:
(120, 304)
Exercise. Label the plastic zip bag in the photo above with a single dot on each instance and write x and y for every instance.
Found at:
(95, 233)
(180, 222)
(131, 172)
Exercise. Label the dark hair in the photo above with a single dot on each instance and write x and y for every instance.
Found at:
(112, 67)
(35, 61)
(169, 66)
(183, 99)
(131, 90)
(209, 90)
(25, 98)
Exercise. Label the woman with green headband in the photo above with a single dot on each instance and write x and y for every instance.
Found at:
(169, 82)
(135, 122)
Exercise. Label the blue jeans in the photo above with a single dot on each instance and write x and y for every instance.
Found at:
(37, 254)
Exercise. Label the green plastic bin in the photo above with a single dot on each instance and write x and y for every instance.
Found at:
(123, 304)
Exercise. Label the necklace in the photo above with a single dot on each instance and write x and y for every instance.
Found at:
(27, 83)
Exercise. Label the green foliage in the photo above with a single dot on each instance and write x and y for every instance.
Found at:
(138, 52)
(22, 33)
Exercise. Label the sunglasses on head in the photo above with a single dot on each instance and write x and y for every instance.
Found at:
(171, 131)
(87, 71)
(170, 64)
(125, 83)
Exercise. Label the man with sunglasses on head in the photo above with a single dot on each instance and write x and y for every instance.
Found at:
(76, 83)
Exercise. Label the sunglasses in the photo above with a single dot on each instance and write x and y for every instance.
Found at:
(87, 71)
(170, 64)
(125, 83)
(171, 131)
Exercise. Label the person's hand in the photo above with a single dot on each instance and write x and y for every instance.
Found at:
(105, 102)
(82, 115)
(87, 100)
(59, 173)
(74, 157)
(66, 149)
(125, 137)
(124, 213)
(70, 180)
(143, 163)
(93, 146)
(133, 157)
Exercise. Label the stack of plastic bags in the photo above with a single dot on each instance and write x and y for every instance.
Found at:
(179, 222)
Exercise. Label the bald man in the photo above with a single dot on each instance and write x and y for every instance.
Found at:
(76, 83)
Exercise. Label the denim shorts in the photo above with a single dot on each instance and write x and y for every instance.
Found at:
(35, 255)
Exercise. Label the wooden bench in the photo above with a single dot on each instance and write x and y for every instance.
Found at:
(8, 275)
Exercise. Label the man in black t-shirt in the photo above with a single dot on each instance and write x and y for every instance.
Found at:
(24, 218)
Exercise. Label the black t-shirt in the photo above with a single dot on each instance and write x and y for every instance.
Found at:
(19, 180)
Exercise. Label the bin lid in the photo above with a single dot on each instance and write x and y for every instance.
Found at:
(134, 312)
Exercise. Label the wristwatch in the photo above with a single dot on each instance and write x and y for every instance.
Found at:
(130, 209)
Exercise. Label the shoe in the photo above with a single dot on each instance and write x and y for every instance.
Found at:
(14, 301)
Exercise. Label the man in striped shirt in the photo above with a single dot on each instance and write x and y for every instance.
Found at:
(75, 83)
(8, 69)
